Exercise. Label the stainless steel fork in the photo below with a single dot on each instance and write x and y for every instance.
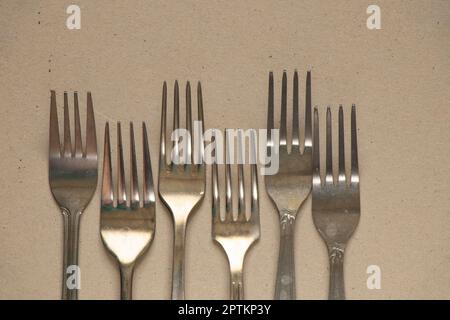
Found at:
(291, 185)
(72, 177)
(127, 230)
(236, 235)
(336, 204)
(181, 182)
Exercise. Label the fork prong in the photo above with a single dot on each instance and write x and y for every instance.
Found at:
(228, 193)
(200, 117)
(254, 205)
(134, 184)
(329, 150)
(121, 190)
(78, 144)
(308, 120)
(91, 139)
(107, 197)
(215, 192)
(188, 156)
(295, 115)
(54, 142)
(341, 177)
(67, 140)
(354, 147)
(270, 111)
(316, 147)
(241, 183)
(176, 120)
(149, 190)
(283, 129)
(162, 137)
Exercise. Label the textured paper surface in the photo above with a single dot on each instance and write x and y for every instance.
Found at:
(398, 77)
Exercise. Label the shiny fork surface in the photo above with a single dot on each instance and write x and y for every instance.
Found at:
(291, 185)
(181, 182)
(73, 180)
(236, 235)
(336, 204)
(127, 230)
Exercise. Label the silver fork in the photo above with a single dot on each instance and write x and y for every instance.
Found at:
(291, 185)
(236, 235)
(336, 204)
(127, 230)
(181, 185)
(72, 177)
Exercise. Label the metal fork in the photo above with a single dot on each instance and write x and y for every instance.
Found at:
(127, 230)
(72, 177)
(236, 235)
(291, 185)
(336, 204)
(181, 184)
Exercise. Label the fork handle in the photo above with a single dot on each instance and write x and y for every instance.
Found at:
(285, 282)
(178, 260)
(71, 271)
(126, 281)
(336, 291)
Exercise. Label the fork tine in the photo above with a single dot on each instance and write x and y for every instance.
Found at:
(121, 190)
(149, 191)
(188, 156)
(107, 185)
(54, 145)
(283, 130)
(91, 139)
(295, 116)
(162, 138)
(67, 140)
(329, 148)
(341, 177)
(176, 119)
(78, 144)
(316, 146)
(228, 194)
(134, 188)
(241, 184)
(270, 104)
(254, 206)
(308, 122)
(354, 147)
(215, 190)
(201, 119)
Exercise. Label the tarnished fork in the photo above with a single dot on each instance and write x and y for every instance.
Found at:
(181, 182)
(236, 234)
(127, 229)
(291, 185)
(72, 175)
(336, 204)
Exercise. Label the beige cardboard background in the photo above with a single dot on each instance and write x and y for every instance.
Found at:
(398, 76)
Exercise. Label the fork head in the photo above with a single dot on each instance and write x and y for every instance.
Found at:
(72, 171)
(291, 185)
(236, 234)
(127, 229)
(336, 204)
(182, 180)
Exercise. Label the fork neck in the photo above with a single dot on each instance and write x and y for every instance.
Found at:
(237, 284)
